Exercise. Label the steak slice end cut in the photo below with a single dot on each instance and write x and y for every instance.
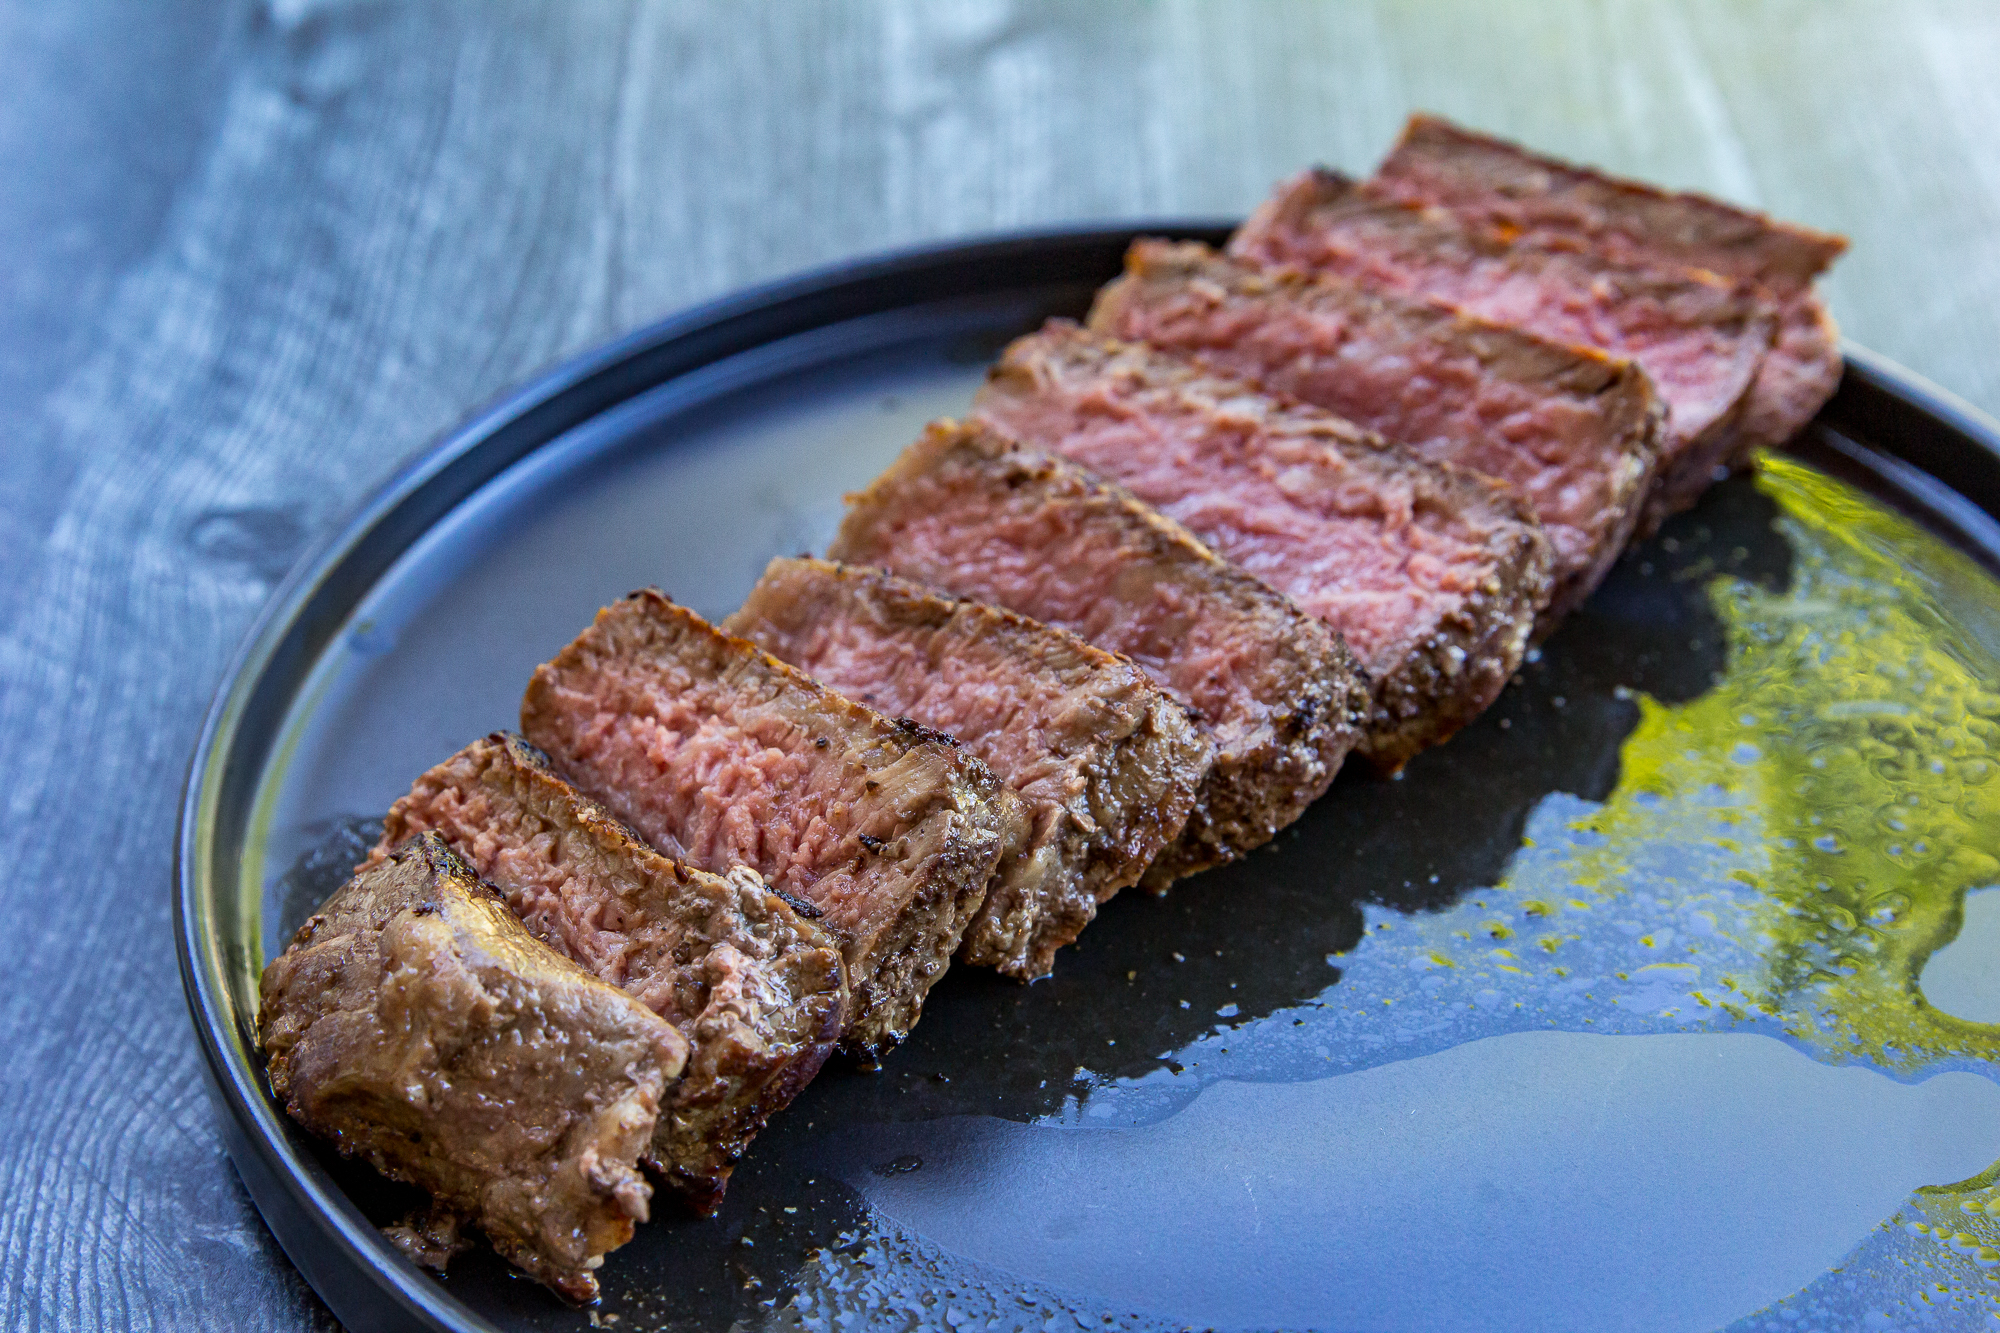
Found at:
(755, 987)
(1547, 200)
(419, 1026)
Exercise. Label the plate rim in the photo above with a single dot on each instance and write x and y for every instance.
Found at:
(347, 1261)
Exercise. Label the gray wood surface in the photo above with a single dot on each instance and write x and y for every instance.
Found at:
(259, 253)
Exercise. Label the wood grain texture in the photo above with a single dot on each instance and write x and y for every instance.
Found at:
(259, 253)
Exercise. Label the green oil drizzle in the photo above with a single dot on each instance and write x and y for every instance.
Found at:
(1857, 725)
(1858, 718)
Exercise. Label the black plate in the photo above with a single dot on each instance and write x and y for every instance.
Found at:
(688, 454)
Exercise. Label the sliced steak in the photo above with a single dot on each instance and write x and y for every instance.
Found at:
(1433, 575)
(1572, 432)
(1106, 765)
(1699, 338)
(967, 509)
(719, 754)
(1506, 189)
(752, 983)
(419, 1026)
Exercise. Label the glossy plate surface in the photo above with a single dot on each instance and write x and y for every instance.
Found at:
(1606, 1015)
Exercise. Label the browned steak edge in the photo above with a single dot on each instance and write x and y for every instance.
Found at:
(888, 986)
(1043, 897)
(1702, 230)
(1514, 190)
(1633, 415)
(1255, 786)
(730, 1088)
(1454, 675)
(331, 987)
(1695, 452)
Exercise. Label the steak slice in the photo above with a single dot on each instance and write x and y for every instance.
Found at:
(754, 985)
(967, 509)
(419, 1026)
(1502, 187)
(1574, 433)
(1433, 575)
(1699, 339)
(1105, 764)
(719, 754)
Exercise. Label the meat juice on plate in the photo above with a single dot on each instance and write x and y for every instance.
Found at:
(1715, 967)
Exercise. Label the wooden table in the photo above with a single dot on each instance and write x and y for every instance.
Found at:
(258, 254)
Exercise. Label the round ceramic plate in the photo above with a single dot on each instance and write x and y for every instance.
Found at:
(1631, 1007)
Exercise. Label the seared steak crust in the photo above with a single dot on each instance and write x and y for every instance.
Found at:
(968, 509)
(1433, 575)
(1505, 189)
(1574, 433)
(417, 1024)
(755, 987)
(720, 754)
(1543, 198)
(1106, 765)
(1699, 338)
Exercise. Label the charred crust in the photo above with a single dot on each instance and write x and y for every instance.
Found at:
(917, 733)
(523, 751)
(809, 911)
